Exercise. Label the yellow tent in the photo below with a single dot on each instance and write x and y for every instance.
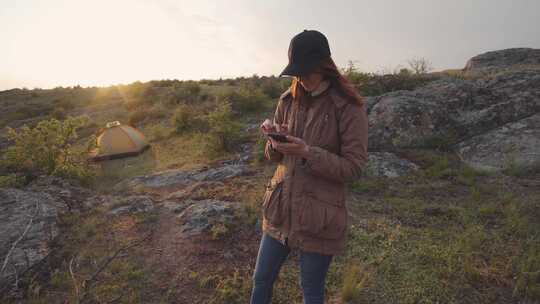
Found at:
(119, 140)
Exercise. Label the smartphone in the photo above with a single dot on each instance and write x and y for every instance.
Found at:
(278, 136)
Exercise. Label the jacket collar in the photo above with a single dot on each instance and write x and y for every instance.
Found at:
(321, 88)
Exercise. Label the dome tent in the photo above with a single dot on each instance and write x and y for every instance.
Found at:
(117, 141)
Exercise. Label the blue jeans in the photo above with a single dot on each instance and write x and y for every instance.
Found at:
(272, 254)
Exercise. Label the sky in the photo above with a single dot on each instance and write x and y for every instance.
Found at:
(49, 43)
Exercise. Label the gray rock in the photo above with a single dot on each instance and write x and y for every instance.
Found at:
(388, 165)
(176, 207)
(130, 205)
(180, 194)
(371, 101)
(503, 59)
(96, 201)
(189, 190)
(17, 207)
(513, 144)
(490, 120)
(219, 174)
(452, 110)
(72, 196)
(183, 178)
(201, 215)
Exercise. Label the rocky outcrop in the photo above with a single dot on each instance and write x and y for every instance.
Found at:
(473, 116)
(27, 224)
(452, 110)
(182, 178)
(131, 204)
(200, 216)
(504, 59)
(28, 220)
(386, 164)
(513, 144)
(175, 206)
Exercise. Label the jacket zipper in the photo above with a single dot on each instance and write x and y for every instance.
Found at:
(294, 115)
(302, 120)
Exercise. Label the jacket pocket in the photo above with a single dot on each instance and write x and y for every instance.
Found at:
(322, 219)
(326, 132)
(273, 205)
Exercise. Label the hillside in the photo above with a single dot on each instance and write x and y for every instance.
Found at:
(447, 211)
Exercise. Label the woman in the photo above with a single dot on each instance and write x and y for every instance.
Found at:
(325, 124)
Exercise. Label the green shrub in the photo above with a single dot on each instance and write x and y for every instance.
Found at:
(224, 132)
(185, 92)
(372, 84)
(137, 117)
(247, 100)
(49, 149)
(11, 180)
(186, 118)
(65, 104)
(158, 111)
(59, 113)
(31, 110)
(158, 132)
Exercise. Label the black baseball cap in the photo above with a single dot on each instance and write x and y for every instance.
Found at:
(306, 50)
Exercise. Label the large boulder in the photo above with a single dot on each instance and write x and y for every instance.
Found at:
(201, 215)
(513, 144)
(451, 110)
(479, 116)
(27, 224)
(504, 59)
(35, 208)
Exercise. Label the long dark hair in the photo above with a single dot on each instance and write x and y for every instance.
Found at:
(329, 70)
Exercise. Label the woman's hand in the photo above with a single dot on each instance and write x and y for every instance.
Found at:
(296, 146)
(268, 127)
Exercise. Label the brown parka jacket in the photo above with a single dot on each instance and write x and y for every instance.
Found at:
(304, 203)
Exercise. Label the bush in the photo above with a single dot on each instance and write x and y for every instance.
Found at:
(137, 117)
(158, 111)
(158, 132)
(247, 100)
(49, 149)
(59, 113)
(65, 104)
(224, 132)
(371, 84)
(186, 118)
(185, 92)
(11, 180)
